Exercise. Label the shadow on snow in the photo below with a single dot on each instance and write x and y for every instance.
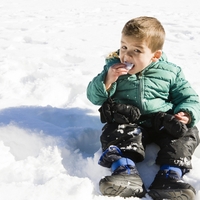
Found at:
(76, 127)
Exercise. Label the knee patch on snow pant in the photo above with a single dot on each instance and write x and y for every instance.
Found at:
(178, 152)
(127, 137)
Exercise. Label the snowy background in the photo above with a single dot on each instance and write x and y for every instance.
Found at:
(49, 51)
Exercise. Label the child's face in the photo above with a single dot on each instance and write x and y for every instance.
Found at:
(135, 52)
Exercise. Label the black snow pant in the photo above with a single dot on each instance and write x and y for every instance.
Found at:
(132, 142)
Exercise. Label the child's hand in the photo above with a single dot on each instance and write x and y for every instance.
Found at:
(113, 73)
(183, 117)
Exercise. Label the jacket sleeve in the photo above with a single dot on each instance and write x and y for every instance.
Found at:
(96, 90)
(185, 99)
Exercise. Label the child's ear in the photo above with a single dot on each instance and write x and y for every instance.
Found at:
(157, 55)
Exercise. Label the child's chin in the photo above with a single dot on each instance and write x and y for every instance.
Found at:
(133, 71)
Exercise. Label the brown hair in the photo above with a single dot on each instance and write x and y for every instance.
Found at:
(147, 29)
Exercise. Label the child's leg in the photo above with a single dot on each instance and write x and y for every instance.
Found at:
(174, 158)
(178, 152)
(122, 145)
(129, 138)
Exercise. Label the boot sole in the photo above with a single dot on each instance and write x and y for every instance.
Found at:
(172, 194)
(122, 185)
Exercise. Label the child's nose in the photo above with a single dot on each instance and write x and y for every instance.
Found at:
(127, 58)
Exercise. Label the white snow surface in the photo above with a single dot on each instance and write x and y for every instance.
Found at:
(49, 51)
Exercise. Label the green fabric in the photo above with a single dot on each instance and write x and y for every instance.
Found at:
(161, 86)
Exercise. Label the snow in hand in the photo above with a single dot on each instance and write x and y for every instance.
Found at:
(49, 51)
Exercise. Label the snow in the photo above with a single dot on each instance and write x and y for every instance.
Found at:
(49, 51)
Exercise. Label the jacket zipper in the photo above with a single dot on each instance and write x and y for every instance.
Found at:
(140, 90)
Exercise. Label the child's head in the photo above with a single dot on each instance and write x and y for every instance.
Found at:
(141, 43)
(146, 29)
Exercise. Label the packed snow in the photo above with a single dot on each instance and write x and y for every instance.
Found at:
(49, 51)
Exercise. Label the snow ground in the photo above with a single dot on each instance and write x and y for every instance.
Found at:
(49, 51)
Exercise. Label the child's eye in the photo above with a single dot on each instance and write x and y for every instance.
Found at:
(137, 51)
(123, 47)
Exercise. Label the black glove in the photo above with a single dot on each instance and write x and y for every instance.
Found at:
(168, 122)
(110, 112)
(105, 110)
(125, 114)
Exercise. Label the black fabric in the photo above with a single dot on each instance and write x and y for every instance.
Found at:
(125, 113)
(127, 137)
(110, 112)
(106, 111)
(110, 155)
(175, 152)
(167, 121)
(177, 142)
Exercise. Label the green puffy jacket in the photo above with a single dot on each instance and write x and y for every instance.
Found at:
(161, 86)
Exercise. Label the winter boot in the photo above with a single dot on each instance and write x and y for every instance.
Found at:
(169, 185)
(124, 181)
(110, 155)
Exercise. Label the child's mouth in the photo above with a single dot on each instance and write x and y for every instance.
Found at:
(128, 65)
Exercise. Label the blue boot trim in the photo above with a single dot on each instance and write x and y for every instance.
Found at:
(168, 167)
(110, 149)
(122, 162)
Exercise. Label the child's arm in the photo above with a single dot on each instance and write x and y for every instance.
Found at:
(104, 84)
(96, 91)
(185, 100)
